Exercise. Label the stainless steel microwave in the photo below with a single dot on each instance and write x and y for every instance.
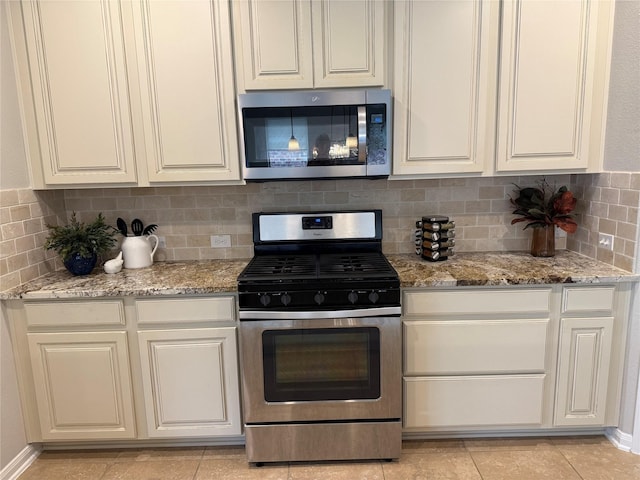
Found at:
(315, 134)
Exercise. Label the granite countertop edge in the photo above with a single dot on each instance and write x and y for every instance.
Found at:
(205, 277)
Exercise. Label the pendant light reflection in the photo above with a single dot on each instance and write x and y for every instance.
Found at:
(293, 141)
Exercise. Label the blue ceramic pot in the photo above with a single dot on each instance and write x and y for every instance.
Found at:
(79, 265)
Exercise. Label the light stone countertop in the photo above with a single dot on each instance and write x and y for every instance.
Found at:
(219, 276)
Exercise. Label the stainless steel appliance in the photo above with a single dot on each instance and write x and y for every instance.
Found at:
(315, 134)
(320, 339)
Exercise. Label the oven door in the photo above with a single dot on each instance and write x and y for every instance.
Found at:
(321, 369)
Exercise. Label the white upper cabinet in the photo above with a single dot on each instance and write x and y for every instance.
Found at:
(76, 98)
(187, 92)
(127, 93)
(487, 87)
(553, 66)
(287, 44)
(444, 86)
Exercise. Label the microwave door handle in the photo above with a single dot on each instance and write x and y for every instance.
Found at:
(362, 134)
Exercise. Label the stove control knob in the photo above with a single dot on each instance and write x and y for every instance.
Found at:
(265, 300)
(318, 298)
(352, 297)
(285, 299)
(374, 297)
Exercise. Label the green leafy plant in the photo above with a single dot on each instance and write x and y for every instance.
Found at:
(540, 206)
(79, 238)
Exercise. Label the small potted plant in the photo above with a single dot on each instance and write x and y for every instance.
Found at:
(543, 210)
(79, 244)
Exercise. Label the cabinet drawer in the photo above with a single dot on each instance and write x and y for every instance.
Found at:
(473, 401)
(438, 302)
(191, 309)
(587, 299)
(475, 346)
(75, 313)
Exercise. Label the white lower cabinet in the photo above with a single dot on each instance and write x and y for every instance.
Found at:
(473, 400)
(127, 368)
(82, 385)
(519, 358)
(190, 381)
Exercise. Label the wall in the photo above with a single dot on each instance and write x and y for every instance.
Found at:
(13, 174)
(622, 149)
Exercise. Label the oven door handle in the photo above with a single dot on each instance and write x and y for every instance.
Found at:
(311, 314)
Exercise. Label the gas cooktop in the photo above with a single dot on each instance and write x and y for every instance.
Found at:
(318, 261)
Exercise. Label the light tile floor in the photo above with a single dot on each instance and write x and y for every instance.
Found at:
(587, 458)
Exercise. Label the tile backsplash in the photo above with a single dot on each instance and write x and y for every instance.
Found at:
(189, 216)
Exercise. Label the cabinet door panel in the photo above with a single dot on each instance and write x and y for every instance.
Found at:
(186, 85)
(348, 38)
(79, 90)
(83, 385)
(546, 84)
(473, 401)
(583, 370)
(475, 346)
(275, 39)
(190, 382)
(445, 86)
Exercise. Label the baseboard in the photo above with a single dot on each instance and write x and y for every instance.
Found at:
(20, 463)
(621, 440)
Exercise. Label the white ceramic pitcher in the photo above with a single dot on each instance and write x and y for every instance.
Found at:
(137, 251)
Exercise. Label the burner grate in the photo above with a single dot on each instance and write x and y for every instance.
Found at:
(283, 266)
(365, 263)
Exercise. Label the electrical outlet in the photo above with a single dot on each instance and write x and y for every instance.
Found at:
(162, 242)
(605, 241)
(220, 241)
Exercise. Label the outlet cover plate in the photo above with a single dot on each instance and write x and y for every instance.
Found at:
(220, 241)
(605, 241)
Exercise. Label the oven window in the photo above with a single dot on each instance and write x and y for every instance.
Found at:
(321, 364)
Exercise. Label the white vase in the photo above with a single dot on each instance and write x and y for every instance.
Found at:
(137, 251)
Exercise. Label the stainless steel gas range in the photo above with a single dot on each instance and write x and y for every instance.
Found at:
(320, 339)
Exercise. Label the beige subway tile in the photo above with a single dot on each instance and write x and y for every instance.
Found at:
(4, 268)
(35, 256)
(5, 215)
(209, 201)
(412, 195)
(7, 248)
(623, 262)
(186, 254)
(620, 180)
(9, 280)
(33, 225)
(198, 241)
(629, 248)
(493, 192)
(477, 206)
(610, 196)
(156, 202)
(26, 195)
(29, 273)
(617, 212)
(312, 199)
(634, 182)
(627, 231)
(607, 226)
(630, 198)
(20, 212)
(25, 243)
(453, 182)
(602, 179)
(17, 262)
(128, 203)
(182, 201)
(12, 230)
(9, 198)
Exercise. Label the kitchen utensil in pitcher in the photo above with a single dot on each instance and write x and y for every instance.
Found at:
(122, 226)
(137, 227)
(149, 229)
